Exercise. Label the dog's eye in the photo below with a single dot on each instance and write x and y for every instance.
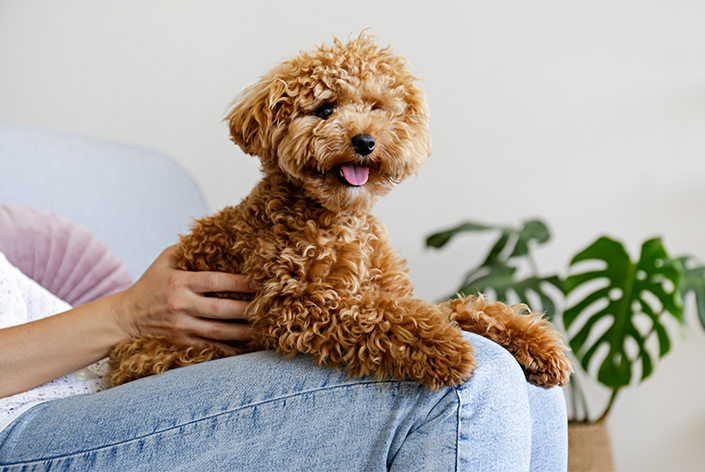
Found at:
(325, 111)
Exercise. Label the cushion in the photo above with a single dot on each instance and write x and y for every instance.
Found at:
(62, 257)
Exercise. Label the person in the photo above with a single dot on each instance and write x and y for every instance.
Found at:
(252, 412)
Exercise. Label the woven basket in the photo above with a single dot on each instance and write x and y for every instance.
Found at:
(589, 448)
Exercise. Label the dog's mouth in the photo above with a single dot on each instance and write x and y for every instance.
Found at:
(353, 175)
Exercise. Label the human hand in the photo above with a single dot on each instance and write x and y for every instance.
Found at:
(172, 303)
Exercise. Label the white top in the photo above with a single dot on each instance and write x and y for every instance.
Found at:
(23, 300)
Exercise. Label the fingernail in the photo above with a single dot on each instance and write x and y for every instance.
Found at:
(253, 286)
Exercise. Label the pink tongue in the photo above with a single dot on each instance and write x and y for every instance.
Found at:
(356, 175)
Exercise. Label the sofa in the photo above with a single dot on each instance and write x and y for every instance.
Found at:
(134, 200)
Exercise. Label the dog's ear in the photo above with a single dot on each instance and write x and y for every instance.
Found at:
(419, 119)
(256, 115)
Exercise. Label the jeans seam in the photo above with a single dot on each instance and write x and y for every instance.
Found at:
(205, 418)
(430, 410)
(457, 431)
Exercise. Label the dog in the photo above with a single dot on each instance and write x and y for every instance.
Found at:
(335, 128)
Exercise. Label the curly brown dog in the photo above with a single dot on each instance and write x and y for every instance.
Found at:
(336, 128)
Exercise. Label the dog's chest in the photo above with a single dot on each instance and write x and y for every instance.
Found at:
(298, 253)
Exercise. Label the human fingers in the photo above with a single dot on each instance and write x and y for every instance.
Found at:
(163, 297)
(220, 331)
(210, 282)
(220, 308)
(192, 331)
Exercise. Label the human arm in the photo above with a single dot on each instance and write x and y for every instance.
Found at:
(163, 302)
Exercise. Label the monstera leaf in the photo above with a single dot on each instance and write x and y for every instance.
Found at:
(439, 240)
(628, 291)
(693, 280)
(616, 325)
(498, 271)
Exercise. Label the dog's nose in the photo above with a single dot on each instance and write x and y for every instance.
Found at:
(363, 144)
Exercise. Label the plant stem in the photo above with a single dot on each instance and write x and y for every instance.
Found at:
(579, 413)
(609, 406)
(580, 397)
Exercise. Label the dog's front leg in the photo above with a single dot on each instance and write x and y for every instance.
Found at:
(382, 336)
(410, 339)
(535, 344)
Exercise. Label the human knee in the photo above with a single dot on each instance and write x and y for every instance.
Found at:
(498, 382)
(495, 363)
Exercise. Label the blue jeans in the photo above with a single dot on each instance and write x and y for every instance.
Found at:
(259, 412)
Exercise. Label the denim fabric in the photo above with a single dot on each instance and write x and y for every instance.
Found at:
(549, 429)
(259, 412)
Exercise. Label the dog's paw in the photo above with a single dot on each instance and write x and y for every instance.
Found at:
(450, 374)
(442, 365)
(545, 366)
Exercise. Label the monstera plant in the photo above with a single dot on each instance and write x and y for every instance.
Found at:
(613, 310)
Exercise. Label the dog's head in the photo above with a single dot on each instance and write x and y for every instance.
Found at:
(344, 122)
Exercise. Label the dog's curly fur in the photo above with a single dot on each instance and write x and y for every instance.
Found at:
(335, 128)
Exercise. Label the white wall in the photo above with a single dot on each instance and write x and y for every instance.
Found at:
(590, 115)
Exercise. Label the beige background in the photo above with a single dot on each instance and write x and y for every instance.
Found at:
(590, 115)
